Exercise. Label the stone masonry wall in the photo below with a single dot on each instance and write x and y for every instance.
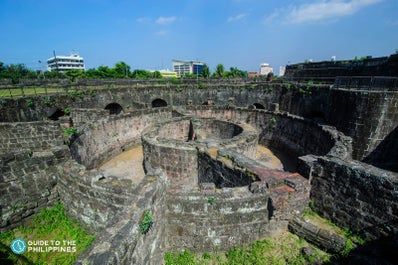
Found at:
(178, 162)
(178, 130)
(40, 135)
(121, 241)
(366, 116)
(216, 129)
(80, 116)
(132, 97)
(250, 203)
(28, 184)
(287, 133)
(179, 158)
(111, 135)
(356, 195)
(92, 198)
(235, 217)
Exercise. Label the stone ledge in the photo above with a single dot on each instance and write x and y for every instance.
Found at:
(322, 238)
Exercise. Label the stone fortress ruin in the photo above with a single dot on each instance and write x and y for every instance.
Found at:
(202, 168)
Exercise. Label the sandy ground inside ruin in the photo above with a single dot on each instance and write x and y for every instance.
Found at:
(267, 158)
(128, 165)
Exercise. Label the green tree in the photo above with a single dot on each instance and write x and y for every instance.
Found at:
(121, 70)
(1, 68)
(219, 71)
(53, 74)
(157, 75)
(15, 72)
(139, 73)
(206, 72)
(104, 72)
(73, 74)
(92, 73)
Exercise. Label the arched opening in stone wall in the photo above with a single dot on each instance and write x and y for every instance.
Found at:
(314, 115)
(159, 103)
(56, 114)
(114, 109)
(258, 106)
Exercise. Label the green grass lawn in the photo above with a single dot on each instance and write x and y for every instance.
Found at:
(282, 249)
(50, 224)
(16, 92)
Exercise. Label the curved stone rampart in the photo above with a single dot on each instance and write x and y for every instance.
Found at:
(109, 136)
(288, 133)
(218, 221)
(172, 145)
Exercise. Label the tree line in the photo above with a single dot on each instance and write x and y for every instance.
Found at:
(15, 72)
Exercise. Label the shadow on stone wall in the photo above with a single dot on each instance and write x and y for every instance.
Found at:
(380, 252)
(385, 155)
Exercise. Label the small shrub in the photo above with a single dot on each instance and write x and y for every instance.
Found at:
(206, 255)
(67, 111)
(70, 131)
(201, 85)
(47, 102)
(146, 223)
(186, 258)
(80, 94)
(288, 86)
(272, 120)
(211, 200)
(312, 204)
(72, 95)
(349, 245)
(175, 80)
(92, 93)
(29, 103)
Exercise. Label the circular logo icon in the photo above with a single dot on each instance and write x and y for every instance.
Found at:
(18, 246)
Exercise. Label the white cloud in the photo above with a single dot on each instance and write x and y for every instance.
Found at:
(143, 20)
(271, 18)
(320, 10)
(237, 17)
(165, 20)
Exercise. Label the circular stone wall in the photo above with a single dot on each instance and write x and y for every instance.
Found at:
(173, 145)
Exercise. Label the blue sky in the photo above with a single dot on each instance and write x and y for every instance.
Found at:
(237, 33)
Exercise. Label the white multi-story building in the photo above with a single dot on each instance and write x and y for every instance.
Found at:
(265, 69)
(188, 67)
(282, 70)
(62, 63)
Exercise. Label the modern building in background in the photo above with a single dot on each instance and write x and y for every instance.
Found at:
(282, 70)
(62, 63)
(252, 74)
(188, 67)
(166, 73)
(265, 69)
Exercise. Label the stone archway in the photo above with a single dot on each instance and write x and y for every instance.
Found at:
(56, 114)
(258, 106)
(114, 108)
(159, 103)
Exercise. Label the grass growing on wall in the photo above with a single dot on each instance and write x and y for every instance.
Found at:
(15, 92)
(283, 249)
(50, 224)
